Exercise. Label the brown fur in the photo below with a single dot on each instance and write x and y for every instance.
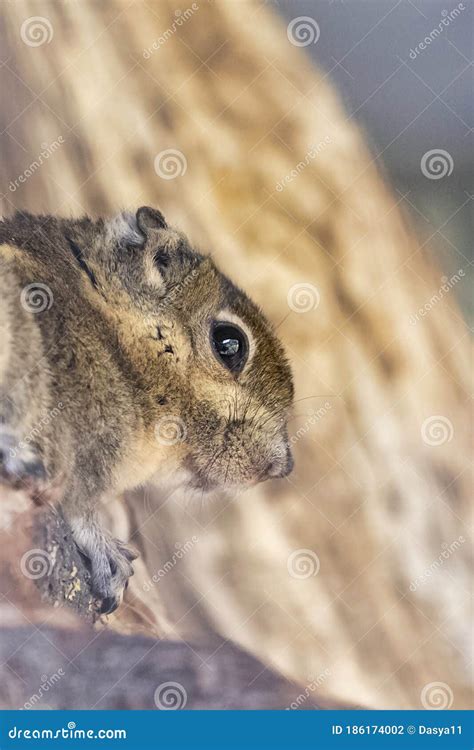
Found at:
(123, 345)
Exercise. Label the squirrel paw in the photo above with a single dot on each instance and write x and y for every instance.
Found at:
(111, 563)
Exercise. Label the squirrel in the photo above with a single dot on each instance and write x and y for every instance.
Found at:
(127, 355)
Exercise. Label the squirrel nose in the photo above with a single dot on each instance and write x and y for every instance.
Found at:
(280, 465)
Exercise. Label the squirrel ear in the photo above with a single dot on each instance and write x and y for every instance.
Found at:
(150, 218)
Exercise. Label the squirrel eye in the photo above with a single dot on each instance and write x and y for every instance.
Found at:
(230, 345)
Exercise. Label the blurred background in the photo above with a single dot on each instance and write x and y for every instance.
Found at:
(326, 170)
(406, 104)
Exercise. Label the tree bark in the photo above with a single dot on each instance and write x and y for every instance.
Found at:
(68, 574)
(49, 653)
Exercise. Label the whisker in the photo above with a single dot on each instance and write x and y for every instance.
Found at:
(296, 416)
(217, 454)
(227, 470)
(321, 395)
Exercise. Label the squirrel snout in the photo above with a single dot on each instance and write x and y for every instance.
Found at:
(281, 464)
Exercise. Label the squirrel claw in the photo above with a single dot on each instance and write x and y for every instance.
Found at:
(109, 605)
(111, 563)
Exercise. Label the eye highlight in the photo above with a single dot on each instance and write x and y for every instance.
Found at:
(230, 345)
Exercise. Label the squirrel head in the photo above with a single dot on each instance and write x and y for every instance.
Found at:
(217, 382)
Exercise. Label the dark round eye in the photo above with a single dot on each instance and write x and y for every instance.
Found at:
(230, 345)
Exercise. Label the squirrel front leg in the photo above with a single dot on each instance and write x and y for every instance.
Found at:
(110, 559)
